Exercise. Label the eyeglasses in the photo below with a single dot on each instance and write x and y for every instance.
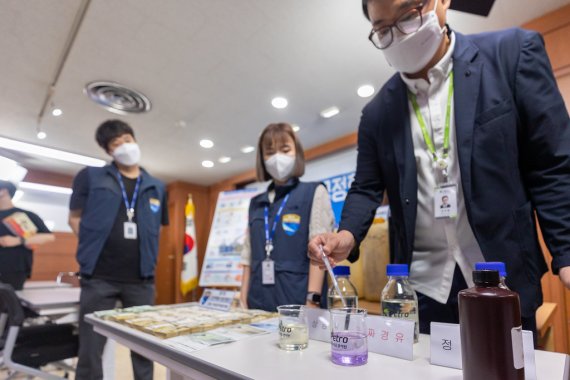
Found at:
(408, 23)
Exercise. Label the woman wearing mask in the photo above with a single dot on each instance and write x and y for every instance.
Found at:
(277, 270)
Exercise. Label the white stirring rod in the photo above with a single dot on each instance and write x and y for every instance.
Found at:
(333, 278)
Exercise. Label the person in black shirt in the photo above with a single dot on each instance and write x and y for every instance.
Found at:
(116, 211)
(16, 252)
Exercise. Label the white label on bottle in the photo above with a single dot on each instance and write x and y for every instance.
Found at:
(517, 341)
(445, 347)
(529, 360)
(392, 337)
(319, 324)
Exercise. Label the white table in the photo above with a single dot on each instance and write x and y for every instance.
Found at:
(50, 301)
(45, 285)
(260, 358)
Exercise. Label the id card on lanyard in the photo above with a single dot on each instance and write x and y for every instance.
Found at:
(129, 227)
(268, 265)
(445, 195)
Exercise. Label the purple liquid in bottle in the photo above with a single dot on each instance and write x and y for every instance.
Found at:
(349, 348)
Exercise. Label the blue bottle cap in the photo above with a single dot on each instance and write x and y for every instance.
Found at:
(341, 270)
(397, 270)
(493, 265)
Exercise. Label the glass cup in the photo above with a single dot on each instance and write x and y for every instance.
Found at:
(293, 327)
(349, 336)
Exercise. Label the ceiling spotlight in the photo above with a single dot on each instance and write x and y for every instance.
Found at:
(41, 135)
(365, 91)
(296, 127)
(56, 112)
(207, 164)
(330, 112)
(224, 159)
(247, 149)
(206, 143)
(279, 102)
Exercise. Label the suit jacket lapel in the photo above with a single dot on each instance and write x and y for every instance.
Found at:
(467, 76)
(399, 121)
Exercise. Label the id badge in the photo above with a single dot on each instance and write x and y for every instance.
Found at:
(445, 201)
(268, 272)
(130, 230)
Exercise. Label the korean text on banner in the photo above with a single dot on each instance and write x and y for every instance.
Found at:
(189, 276)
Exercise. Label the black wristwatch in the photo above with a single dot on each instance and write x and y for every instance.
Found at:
(314, 298)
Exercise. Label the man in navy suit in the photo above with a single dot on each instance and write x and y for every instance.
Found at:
(476, 118)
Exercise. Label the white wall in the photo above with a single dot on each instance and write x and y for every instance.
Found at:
(52, 208)
(337, 163)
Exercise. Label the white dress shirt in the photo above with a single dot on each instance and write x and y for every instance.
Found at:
(439, 243)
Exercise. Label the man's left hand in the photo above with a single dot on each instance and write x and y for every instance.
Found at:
(10, 241)
(565, 276)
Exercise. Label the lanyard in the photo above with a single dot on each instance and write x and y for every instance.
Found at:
(130, 207)
(440, 161)
(269, 235)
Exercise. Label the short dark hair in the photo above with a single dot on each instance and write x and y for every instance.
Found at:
(8, 186)
(274, 132)
(365, 9)
(110, 130)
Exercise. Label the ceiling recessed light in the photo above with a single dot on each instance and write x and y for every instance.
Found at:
(279, 102)
(365, 91)
(224, 160)
(247, 149)
(38, 150)
(206, 143)
(330, 112)
(295, 127)
(180, 124)
(41, 135)
(207, 164)
(56, 112)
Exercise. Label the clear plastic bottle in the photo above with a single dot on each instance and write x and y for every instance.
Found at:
(399, 299)
(348, 290)
(495, 265)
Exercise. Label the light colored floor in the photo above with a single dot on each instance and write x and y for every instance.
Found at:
(123, 369)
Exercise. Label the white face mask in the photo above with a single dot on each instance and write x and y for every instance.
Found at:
(409, 53)
(127, 154)
(280, 166)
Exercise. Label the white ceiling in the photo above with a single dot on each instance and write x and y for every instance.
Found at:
(215, 64)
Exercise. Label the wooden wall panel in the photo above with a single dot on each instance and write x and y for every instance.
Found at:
(557, 47)
(48, 178)
(55, 257)
(172, 240)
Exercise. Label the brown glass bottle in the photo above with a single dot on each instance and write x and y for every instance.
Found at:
(490, 324)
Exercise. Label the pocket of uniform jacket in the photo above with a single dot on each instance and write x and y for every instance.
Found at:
(96, 211)
(491, 114)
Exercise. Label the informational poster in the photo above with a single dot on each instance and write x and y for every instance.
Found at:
(338, 187)
(221, 265)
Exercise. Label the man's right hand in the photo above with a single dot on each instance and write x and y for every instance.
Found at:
(337, 247)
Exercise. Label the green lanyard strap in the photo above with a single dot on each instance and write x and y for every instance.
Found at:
(427, 138)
